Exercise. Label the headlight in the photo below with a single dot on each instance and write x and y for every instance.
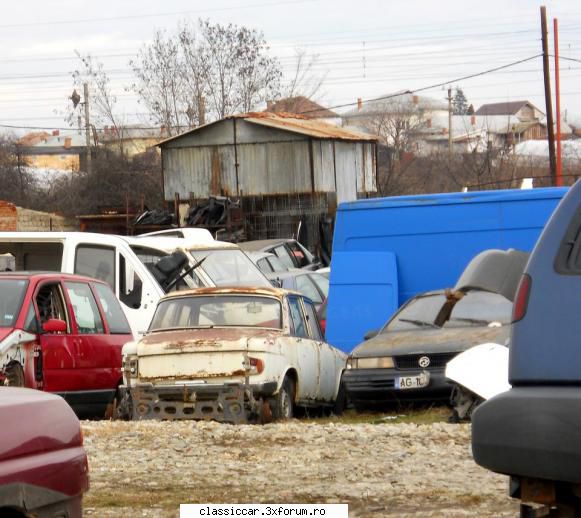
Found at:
(130, 365)
(384, 362)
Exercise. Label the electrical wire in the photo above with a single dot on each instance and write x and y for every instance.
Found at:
(346, 105)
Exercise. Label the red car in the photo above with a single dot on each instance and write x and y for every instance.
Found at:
(62, 333)
(43, 466)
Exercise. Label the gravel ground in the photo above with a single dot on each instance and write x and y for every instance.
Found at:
(148, 468)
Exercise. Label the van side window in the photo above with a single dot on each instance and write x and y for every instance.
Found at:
(85, 308)
(130, 285)
(96, 261)
(113, 313)
(50, 304)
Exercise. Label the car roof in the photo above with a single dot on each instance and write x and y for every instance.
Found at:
(41, 275)
(295, 272)
(257, 255)
(235, 290)
(260, 244)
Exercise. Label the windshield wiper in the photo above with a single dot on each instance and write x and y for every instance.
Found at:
(417, 322)
(185, 273)
(471, 320)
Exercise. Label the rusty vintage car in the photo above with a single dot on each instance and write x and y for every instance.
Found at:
(230, 354)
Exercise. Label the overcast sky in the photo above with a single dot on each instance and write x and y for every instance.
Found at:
(365, 48)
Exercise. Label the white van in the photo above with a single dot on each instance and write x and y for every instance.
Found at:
(139, 269)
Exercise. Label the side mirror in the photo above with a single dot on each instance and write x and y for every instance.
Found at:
(372, 333)
(54, 325)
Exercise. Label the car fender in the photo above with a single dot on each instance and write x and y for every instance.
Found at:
(482, 369)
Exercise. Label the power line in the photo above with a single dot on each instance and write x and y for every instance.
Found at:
(156, 15)
(437, 85)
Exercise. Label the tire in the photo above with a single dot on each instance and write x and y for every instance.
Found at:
(14, 375)
(284, 401)
(123, 410)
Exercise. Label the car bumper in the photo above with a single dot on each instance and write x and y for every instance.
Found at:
(377, 386)
(229, 402)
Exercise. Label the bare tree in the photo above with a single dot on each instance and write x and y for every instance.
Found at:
(303, 79)
(398, 123)
(103, 100)
(237, 69)
(195, 75)
(159, 73)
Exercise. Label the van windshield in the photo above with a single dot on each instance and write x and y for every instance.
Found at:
(11, 296)
(230, 267)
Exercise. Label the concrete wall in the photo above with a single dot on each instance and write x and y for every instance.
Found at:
(13, 218)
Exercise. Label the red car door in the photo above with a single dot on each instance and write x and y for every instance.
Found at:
(58, 350)
(98, 354)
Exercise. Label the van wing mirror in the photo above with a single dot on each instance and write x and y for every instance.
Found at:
(54, 325)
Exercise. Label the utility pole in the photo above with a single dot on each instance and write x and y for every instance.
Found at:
(87, 127)
(449, 125)
(559, 168)
(548, 103)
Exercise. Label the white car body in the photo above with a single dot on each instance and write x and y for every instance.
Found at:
(199, 372)
(126, 263)
(482, 369)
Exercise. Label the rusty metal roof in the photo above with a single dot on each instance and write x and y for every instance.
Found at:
(293, 123)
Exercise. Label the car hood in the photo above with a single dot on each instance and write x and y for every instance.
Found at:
(5, 331)
(198, 340)
(453, 339)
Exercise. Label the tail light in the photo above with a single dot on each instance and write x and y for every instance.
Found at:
(323, 323)
(256, 365)
(521, 300)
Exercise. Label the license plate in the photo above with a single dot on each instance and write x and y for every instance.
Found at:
(412, 382)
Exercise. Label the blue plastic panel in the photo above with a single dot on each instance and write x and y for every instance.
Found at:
(362, 295)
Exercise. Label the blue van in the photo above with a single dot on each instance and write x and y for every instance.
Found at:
(386, 250)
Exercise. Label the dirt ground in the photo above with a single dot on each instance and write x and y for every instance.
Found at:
(383, 466)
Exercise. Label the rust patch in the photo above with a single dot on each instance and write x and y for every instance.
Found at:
(215, 337)
(216, 167)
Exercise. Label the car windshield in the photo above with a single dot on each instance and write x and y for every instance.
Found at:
(481, 308)
(217, 311)
(230, 267)
(11, 296)
(420, 312)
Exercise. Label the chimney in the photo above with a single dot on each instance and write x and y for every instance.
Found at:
(472, 120)
(68, 141)
(162, 131)
(55, 133)
(359, 104)
(269, 105)
(415, 99)
(429, 123)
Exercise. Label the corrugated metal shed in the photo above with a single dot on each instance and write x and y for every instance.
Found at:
(269, 154)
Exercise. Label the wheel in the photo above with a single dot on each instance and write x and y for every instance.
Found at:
(14, 375)
(463, 403)
(123, 407)
(284, 401)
